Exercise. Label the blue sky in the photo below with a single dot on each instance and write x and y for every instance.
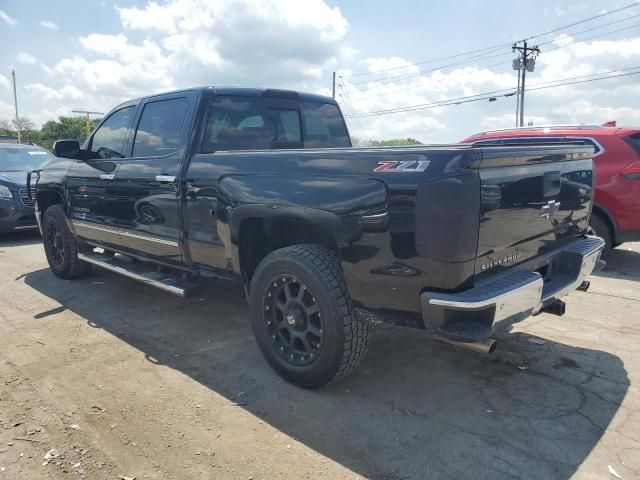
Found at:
(94, 54)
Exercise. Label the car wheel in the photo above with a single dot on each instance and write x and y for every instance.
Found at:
(600, 228)
(303, 318)
(61, 246)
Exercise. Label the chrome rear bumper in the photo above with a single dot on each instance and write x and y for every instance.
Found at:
(519, 292)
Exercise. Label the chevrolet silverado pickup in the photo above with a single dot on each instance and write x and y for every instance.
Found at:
(262, 187)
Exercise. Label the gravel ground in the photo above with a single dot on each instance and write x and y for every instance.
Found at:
(117, 380)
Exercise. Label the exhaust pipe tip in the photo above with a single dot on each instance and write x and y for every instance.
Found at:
(487, 345)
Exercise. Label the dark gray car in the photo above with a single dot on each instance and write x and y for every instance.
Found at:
(16, 207)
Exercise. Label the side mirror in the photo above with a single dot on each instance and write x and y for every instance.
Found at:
(66, 148)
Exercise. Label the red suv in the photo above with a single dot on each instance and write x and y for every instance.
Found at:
(616, 210)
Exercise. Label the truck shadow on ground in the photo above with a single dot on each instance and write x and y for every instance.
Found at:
(622, 263)
(415, 409)
(16, 239)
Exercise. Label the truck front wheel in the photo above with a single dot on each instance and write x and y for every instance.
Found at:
(303, 318)
(61, 246)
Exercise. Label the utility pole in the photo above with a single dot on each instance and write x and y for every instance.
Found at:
(526, 62)
(88, 121)
(333, 94)
(15, 101)
(518, 93)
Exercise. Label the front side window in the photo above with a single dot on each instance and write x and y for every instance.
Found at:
(160, 128)
(110, 138)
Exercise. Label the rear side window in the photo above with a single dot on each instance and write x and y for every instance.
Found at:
(587, 141)
(109, 139)
(634, 141)
(251, 123)
(324, 127)
(160, 127)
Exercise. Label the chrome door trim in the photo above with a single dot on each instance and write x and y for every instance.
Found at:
(94, 226)
(120, 231)
(148, 238)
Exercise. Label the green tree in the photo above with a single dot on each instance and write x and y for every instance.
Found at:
(395, 142)
(23, 123)
(65, 128)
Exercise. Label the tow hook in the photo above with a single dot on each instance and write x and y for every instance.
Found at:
(584, 286)
(556, 308)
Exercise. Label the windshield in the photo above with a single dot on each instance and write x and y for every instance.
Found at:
(22, 159)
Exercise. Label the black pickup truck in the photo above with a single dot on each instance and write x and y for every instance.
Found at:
(263, 187)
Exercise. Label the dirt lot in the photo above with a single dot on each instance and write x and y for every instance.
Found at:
(122, 380)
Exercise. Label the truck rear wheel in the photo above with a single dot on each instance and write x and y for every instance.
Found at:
(303, 318)
(61, 246)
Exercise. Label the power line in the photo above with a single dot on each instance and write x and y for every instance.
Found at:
(492, 94)
(424, 62)
(420, 72)
(595, 28)
(573, 41)
(593, 36)
(432, 82)
(600, 15)
(348, 105)
(497, 47)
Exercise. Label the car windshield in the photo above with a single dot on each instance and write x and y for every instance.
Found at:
(14, 159)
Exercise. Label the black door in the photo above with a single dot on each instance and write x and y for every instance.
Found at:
(232, 123)
(148, 211)
(91, 182)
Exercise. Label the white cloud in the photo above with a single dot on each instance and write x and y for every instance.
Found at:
(49, 24)
(599, 101)
(6, 111)
(68, 92)
(580, 109)
(508, 120)
(282, 43)
(7, 19)
(26, 58)
(4, 82)
(291, 44)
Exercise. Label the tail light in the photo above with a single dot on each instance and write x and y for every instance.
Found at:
(632, 171)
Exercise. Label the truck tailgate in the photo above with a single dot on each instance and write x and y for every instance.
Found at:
(532, 200)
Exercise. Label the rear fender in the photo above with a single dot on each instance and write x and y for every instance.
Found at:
(335, 205)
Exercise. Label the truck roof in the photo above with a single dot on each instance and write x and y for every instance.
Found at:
(251, 92)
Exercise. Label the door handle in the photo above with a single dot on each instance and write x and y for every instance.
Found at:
(107, 176)
(165, 178)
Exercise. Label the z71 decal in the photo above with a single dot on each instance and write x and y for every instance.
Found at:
(394, 166)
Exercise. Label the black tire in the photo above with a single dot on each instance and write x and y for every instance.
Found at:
(322, 292)
(600, 227)
(61, 246)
